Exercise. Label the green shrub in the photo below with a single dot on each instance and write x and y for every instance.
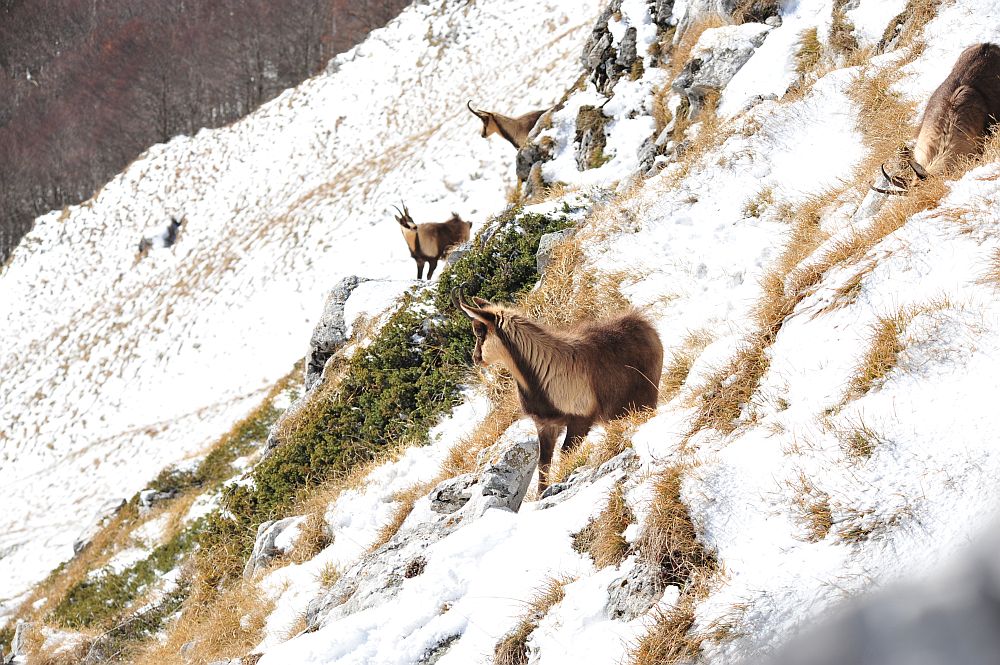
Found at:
(395, 389)
(103, 597)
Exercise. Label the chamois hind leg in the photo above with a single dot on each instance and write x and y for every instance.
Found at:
(547, 434)
(576, 429)
(433, 264)
(420, 269)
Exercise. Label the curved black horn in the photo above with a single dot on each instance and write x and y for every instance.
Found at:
(917, 168)
(401, 215)
(478, 114)
(894, 180)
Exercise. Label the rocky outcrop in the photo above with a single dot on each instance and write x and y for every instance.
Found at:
(330, 332)
(506, 471)
(274, 538)
(546, 244)
(716, 58)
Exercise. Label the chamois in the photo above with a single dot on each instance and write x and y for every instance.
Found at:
(959, 116)
(572, 378)
(515, 130)
(428, 243)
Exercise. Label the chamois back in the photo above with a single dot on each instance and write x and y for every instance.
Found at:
(430, 242)
(515, 130)
(961, 111)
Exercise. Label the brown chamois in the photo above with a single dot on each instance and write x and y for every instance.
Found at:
(591, 373)
(430, 242)
(958, 119)
(515, 130)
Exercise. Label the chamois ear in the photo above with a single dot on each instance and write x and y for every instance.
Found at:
(917, 168)
(476, 312)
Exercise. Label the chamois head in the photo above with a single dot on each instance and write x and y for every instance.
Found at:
(489, 349)
(489, 124)
(957, 121)
(903, 173)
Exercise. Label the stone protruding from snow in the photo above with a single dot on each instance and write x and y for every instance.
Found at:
(330, 332)
(715, 59)
(452, 494)
(632, 594)
(546, 244)
(274, 538)
(150, 497)
(506, 475)
(109, 509)
(19, 644)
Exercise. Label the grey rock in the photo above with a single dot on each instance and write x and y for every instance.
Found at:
(720, 53)
(560, 492)
(457, 253)
(506, 475)
(264, 548)
(547, 243)
(19, 644)
(627, 49)
(450, 495)
(530, 154)
(330, 332)
(437, 652)
(946, 616)
(149, 497)
(590, 137)
(662, 11)
(632, 594)
(773, 21)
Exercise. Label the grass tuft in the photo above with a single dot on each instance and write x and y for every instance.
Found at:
(602, 538)
(512, 649)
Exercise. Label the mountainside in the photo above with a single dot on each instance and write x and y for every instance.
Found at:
(823, 425)
(87, 86)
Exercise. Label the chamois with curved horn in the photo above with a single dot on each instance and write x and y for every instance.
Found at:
(430, 242)
(515, 130)
(569, 378)
(958, 119)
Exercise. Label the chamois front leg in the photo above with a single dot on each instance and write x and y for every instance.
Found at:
(433, 263)
(547, 434)
(420, 269)
(576, 429)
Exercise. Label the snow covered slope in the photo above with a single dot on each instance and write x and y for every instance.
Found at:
(113, 367)
(757, 251)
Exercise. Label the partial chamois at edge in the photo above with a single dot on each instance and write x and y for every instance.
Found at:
(430, 242)
(958, 119)
(591, 373)
(515, 130)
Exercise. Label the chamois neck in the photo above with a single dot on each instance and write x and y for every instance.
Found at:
(537, 353)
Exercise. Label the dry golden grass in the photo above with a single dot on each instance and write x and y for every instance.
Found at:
(755, 10)
(329, 575)
(218, 624)
(602, 538)
(809, 52)
(811, 508)
(721, 401)
(859, 441)
(842, 38)
(406, 499)
(884, 348)
(668, 539)
(670, 639)
(110, 539)
(40, 654)
(314, 537)
(992, 275)
(513, 648)
(680, 362)
(569, 462)
(857, 525)
(910, 23)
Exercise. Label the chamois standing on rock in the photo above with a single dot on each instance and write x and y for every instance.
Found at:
(959, 116)
(430, 242)
(515, 130)
(591, 373)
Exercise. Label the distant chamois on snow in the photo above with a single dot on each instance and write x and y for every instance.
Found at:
(591, 373)
(430, 242)
(515, 130)
(166, 238)
(958, 119)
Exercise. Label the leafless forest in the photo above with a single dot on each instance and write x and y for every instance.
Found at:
(87, 85)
